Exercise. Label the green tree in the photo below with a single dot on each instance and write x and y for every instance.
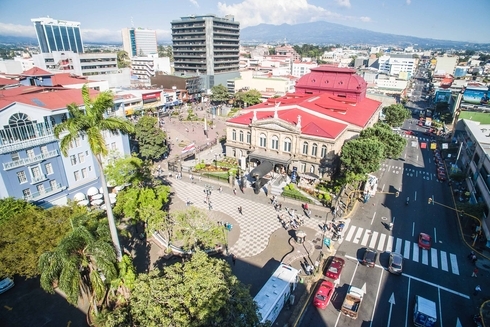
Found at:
(201, 292)
(9, 207)
(219, 93)
(123, 59)
(151, 139)
(30, 233)
(90, 122)
(83, 264)
(362, 156)
(248, 98)
(393, 143)
(165, 51)
(195, 229)
(127, 170)
(395, 114)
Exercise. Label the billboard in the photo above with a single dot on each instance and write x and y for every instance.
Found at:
(442, 96)
(476, 96)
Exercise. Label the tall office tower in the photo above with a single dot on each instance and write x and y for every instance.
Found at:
(139, 42)
(58, 35)
(206, 45)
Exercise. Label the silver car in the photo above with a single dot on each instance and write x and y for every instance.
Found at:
(396, 263)
(6, 284)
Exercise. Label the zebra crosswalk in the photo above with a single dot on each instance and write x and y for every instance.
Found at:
(434, 258)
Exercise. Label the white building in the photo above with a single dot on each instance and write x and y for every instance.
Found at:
(143, 68)
(302, 68)
(390, 84)
(139, 41)
(394, 64)
(446, 65)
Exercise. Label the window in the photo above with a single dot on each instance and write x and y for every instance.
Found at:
(312, 169)
(76, 174)
(287, 145)
(84, 172)
(233, 135)
(302, 168)
(305, 148)
(21, 175)
(53, 184)
(249, 138)
(113, 146)
(241, 136)
(81, 157)
(323, 154)
(27, 193)
(36, 172)
(89, 168)
(314, 149)
(263, 140)
(40, 189)
(44, 150)
(30, 153)
(15, 156)
(49, 168)
(73, 160)
(77, 142)
(275, 143)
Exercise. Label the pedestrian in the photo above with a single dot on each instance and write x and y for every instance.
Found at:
(220, 189)
(233, 259)
(200, 179)
(477, 290)
(240, 210)
(470, 256)
(234, 191)
(473, 258)
(475, 272)
(210, 206)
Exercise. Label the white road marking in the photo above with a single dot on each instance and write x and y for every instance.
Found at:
(381, 243)
(398, 248)
(433, 258)
(454, 263)
(415, 253)
(389, 244)
(444, 265)
(406, 252)
(425, 257)
(358, 235)
(374, 238)
(350, 233)
(365, 238)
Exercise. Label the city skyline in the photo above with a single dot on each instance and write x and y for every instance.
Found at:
(103, 23)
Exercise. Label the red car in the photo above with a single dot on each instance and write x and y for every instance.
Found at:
(409, 133)
(335, 268)
(424, 241)
(323, 295)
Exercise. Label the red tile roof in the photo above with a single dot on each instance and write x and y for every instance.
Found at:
(7, 81)
(36, 71)
(47, 98)
(68, 79)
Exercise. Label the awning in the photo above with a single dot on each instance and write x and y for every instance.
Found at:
(261, 170)
(275, 158)
(309, 176)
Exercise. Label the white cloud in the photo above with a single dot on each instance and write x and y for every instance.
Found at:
(276, 12)
(343, 3)
(409, 2)
(365, 19)
(100, 35)
(194, 2)
(17, 30)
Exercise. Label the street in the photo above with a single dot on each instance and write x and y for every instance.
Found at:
(441, 274)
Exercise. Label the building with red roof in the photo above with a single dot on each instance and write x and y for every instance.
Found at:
(304, 131)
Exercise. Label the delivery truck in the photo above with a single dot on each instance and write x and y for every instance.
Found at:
(352, 302)
(424, 313)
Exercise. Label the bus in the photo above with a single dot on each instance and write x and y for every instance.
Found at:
(276, 292)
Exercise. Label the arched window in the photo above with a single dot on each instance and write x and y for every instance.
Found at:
(233, 135)
(323, 154)
(241, 136)
(275, 143)
(314, 149)
(312, 169)
(263, 140)
(305, 147)
(249, 137)
(287, 144)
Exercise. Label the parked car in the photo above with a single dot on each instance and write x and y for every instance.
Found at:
(396, 263)
(369, 258)
(441, 176)
(6, 284)
(424, 241)
(323, 295)
(335, 268)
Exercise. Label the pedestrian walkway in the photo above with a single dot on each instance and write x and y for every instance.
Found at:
(409, 172)
(437, 259)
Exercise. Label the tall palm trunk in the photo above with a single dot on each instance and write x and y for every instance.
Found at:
(110, 214)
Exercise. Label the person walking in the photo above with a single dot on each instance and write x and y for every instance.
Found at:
(240, 210)
(475, 272)
(477, 290)
(233, 259)
(234, 191)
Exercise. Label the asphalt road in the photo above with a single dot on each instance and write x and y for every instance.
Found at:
(441, 274)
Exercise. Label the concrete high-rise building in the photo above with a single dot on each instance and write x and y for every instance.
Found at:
(139, 42)
(58, 35)
(208, 46)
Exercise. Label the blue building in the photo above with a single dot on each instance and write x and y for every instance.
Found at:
(31, 164)
(58, 35)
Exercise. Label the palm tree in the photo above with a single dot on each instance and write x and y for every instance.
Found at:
(91, 122)
(83, 264)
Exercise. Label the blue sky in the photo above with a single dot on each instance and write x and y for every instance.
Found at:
(102, 20)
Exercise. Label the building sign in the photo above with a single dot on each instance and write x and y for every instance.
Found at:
(294, 175)
(476, 96)
(151, 97)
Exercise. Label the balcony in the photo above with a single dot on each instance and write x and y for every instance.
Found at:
(23, 137)
(30, 161)
(36, 196)
(38, 179)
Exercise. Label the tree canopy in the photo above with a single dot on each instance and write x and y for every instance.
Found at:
(248, 98)
(395, 114)
(200, 292)
(362, 156)
(393, 143)
(151, 139)
(219, 93)
(9, 207)
(123, 60)
(127, 170)
(28, 234)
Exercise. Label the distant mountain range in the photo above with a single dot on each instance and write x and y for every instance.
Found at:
(329, 33)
